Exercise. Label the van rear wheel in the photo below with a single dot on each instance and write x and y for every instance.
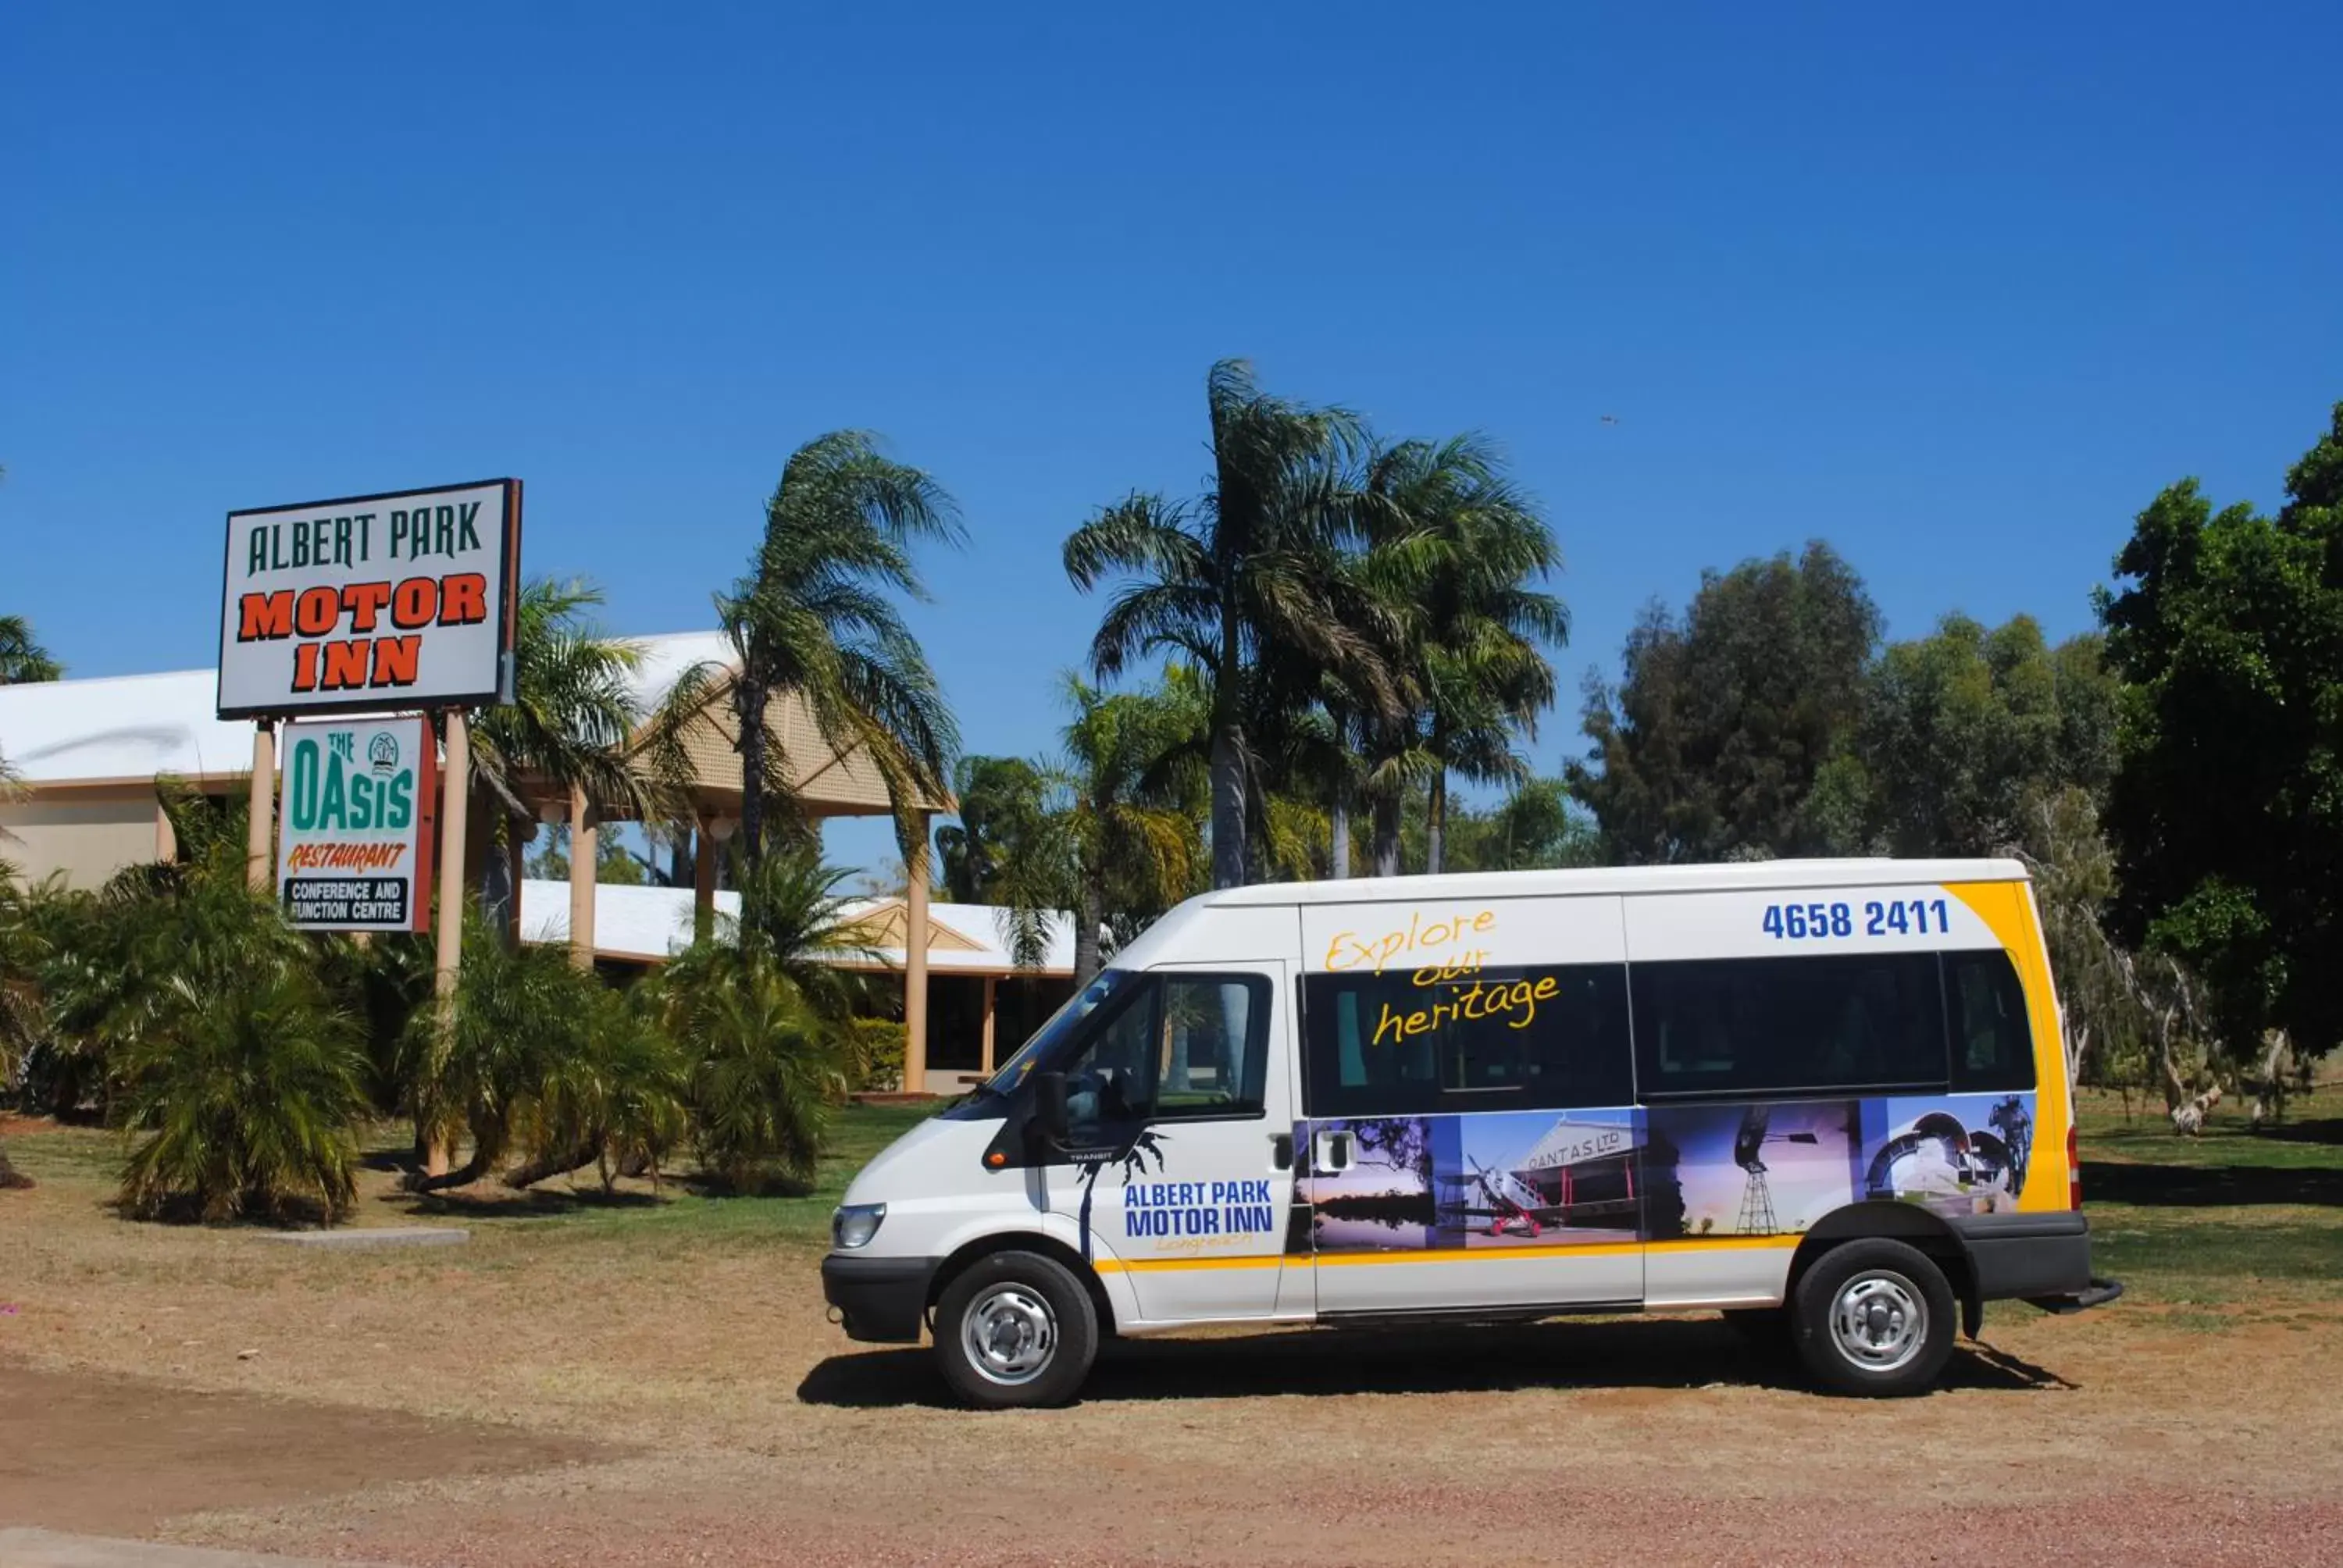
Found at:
(1014, 1330)
(1874, 1318)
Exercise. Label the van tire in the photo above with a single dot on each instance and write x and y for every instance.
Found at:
(1039, 1321)
(1853, 1320)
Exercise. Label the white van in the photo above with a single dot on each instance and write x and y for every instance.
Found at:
(1826, 1098)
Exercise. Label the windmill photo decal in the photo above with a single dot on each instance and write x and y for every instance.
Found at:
(1748, 1152)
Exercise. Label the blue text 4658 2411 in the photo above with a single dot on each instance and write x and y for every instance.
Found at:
(1892, 917)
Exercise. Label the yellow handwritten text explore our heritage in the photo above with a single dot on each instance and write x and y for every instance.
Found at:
(1453, 967)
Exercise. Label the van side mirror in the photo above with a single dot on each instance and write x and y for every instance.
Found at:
(1049, 1124)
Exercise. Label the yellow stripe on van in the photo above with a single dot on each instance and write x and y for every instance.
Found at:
(2008, 913)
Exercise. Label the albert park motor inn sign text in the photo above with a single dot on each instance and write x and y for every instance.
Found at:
(354, 841)
(393, 601)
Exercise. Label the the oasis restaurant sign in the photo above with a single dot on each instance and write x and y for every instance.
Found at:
(354, 836)
(375, 602)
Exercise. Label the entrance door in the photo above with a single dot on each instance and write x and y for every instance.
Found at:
(1180, 1105)
(1473, 1140)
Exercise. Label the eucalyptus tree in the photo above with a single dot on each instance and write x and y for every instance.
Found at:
(816, 615)
(1239, 569)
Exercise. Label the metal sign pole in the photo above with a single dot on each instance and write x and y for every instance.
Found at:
(260, 830)
(454, 786)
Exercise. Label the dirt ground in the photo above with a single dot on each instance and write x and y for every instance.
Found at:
(555, 1392)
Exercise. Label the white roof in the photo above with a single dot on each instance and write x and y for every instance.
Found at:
(1739, 876)
(667, 655)
(129, 727)
(121, 729)
(654, 923)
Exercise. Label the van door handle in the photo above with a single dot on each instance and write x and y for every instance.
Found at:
(1331, 1152)
(1281, 1151)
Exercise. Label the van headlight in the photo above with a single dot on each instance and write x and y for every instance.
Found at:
(854, 1224)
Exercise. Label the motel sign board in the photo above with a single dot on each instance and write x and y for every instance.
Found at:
(371, 603)
(354, 829)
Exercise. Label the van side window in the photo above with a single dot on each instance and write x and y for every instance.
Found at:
(1174, 1047)
(1993, 1047)
(1538, 1038)
(1787, 1026)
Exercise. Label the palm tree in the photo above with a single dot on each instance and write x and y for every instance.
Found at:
(812, 617)
(1118, 832)
(572, 713)
(764, 1015)
(999, 802)
(22, 660)
(1240, 571)
(1459, 550)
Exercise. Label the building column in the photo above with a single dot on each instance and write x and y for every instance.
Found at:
(167, 840)
(703, 879)
(585, 844)
(915, 965)
(991, 1000)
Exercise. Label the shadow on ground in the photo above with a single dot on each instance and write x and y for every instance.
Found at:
(2211, 1186)
(1642, 1354)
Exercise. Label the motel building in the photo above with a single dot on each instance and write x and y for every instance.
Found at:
(89, 753)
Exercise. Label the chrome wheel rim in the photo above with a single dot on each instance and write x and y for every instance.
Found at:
(1880, 1321)
(1010, 1334)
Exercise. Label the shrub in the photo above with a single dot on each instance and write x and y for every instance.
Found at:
(248, 1091)
(616, 1099)
(875, 1055)
(768, 1068)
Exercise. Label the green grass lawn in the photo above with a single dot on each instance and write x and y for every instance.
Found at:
(682, 1214)
(685, 1216)
(2231, 1218)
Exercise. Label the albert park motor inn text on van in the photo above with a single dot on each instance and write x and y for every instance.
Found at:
(1827, 1098)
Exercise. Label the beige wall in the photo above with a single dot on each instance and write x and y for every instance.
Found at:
(88, 839)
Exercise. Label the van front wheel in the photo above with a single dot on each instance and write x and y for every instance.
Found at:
(1875, 1316)
(1015, 1329)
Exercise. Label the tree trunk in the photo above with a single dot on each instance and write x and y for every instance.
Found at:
(749, 703)
(1386, 835)
(2269, 1094)
(471, 1171)
(1340, 862)
(482, 814)
(1435, 823)
(530, 1172)
(500, 884)
(1228, 806)
(1088, 918)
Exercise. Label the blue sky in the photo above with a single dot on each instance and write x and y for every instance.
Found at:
(1958, 291)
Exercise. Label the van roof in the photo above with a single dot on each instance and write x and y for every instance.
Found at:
(1740, 876)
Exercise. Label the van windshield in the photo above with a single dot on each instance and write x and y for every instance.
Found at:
(1051, 1035)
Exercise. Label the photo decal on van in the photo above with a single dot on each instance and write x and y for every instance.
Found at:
(1511, 1180)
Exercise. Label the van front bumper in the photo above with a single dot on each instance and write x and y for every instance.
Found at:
(2041, 1259)
(880, 1301)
